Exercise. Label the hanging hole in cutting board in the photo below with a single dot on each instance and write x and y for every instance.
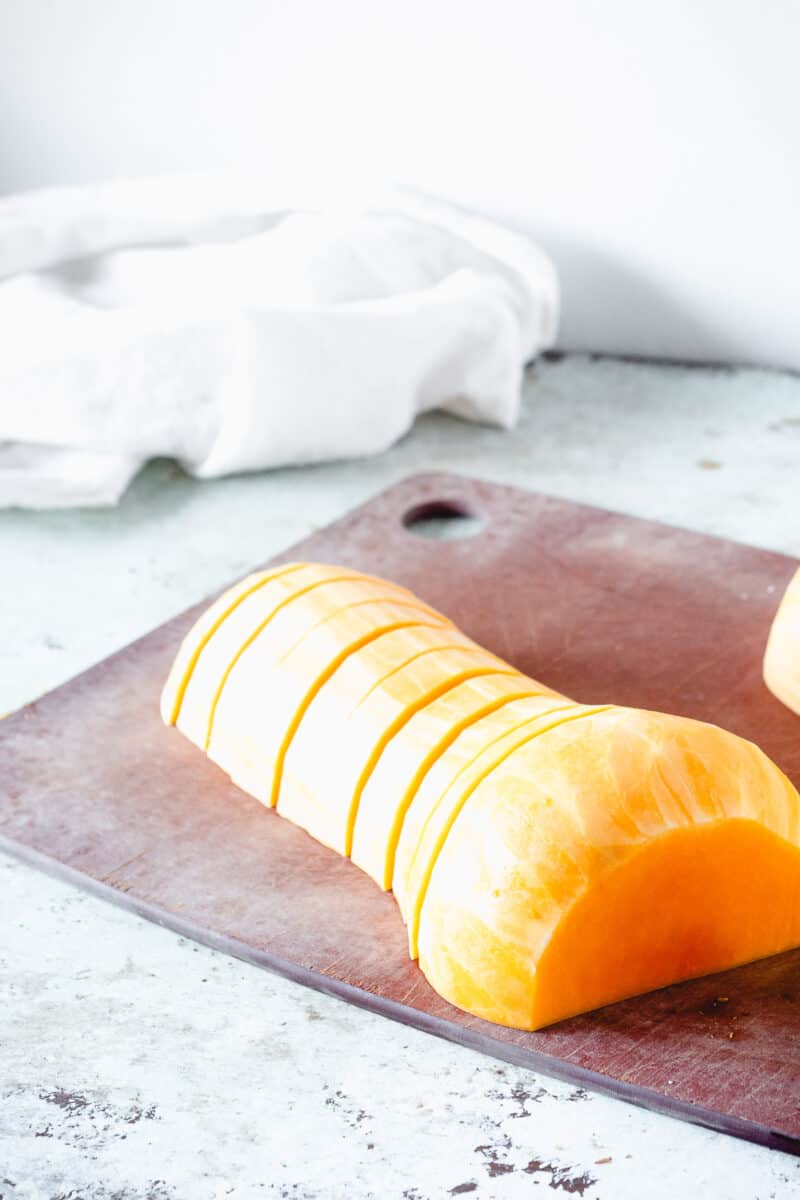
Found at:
(442, 520)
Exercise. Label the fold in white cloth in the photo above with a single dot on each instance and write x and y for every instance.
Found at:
(235, 325)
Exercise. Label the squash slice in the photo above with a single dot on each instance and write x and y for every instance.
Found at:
(253, 726)
(782, 657)
(476, 739)
(410, 755)
(371, 696)
(607, 857)
(277, 614)
(204, 628)
(442, 816)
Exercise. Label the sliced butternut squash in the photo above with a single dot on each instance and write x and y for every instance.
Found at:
(443, 815)
(242, 622)
(336, 746)
(782, 658)
(204, 628)
(252, 726)
(548, 857)
(609, 856)
(409, 756)
(278, 613)
(475, 742)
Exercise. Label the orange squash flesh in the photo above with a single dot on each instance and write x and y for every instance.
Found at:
(593, 831)
(716, 924)
(203, 629)
(476, 749)
(444, 814)
(782, 657)
(289, 605)
(548, 857)
(252, 728)
(335, 748)
(277, 614)
(408, 758)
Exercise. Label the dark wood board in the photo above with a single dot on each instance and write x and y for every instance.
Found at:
(601, 606)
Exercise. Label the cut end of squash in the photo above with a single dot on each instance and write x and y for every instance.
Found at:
(693, 902)
(610, 856)
(782, 657)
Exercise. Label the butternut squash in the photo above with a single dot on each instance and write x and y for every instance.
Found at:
(474, 749)
(782, 657)
(274, 617)
(336, 748)
(408, 759)
(250, 733)
(202, 631)
(440, 820)
(615, 854)
(547, 857)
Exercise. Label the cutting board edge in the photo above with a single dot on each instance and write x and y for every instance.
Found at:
(449, 1031)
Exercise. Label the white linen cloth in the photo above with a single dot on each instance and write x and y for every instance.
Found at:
(235, 325)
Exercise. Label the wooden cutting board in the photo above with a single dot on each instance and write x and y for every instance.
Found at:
(603, 607)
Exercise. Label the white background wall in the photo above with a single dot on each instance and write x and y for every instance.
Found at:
(652, 145)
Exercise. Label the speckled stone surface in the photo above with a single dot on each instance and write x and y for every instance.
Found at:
(137, 1066)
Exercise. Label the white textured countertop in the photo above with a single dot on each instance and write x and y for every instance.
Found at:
(135, 1065)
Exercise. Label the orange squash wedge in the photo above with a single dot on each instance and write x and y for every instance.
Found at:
(276, 616)
(614, 854)
(782, 657)
(408, 758)
(203, 630)
(482, 741)
(335, 747)
(251, 731)
(548, 857)
(444, 813)
(253, 611)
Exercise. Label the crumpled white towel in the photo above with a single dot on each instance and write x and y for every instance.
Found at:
(234, 325)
